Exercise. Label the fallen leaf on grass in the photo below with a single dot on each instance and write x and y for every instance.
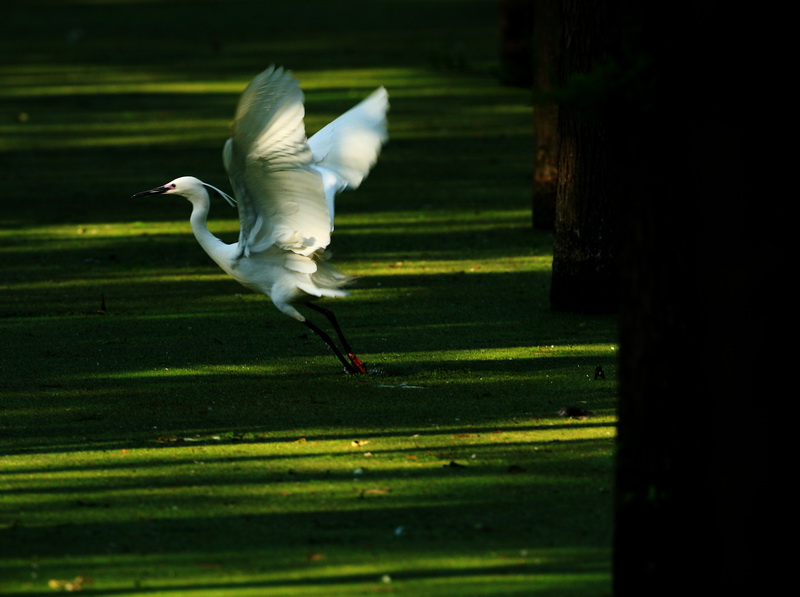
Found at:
(76, 584)
(359, 442)
(362, 493)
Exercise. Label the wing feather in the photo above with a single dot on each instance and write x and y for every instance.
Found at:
(280, 196)
(349, 146)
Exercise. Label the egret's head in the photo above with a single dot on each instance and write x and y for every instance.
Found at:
(186, 186)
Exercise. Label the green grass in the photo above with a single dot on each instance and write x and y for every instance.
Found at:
(163, 431)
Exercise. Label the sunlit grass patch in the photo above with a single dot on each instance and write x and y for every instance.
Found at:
(368, 494)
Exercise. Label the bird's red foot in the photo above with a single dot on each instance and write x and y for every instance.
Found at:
(359, 366)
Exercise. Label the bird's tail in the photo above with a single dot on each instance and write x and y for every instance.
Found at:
(327, 280)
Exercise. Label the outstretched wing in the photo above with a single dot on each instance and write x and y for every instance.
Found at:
(349, 146)
(270, 164)
(346, 149)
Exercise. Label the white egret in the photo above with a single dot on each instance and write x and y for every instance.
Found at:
(284, 186)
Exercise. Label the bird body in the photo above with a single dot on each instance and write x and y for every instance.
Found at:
(285, 185)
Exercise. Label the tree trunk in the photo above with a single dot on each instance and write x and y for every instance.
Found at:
(546, 43)
(694, 294)
(584, 277)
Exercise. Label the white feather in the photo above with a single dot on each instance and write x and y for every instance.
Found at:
(285, 185)
(349, 146)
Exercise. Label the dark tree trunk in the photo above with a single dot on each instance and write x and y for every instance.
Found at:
(546, 44)
(693, 302)
(584, 275)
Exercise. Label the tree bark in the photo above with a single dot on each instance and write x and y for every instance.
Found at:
(694, 295)
(584, 277)
(546, 44)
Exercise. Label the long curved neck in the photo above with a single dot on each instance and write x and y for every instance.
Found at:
(210, 243)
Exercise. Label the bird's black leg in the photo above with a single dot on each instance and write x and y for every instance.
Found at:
(329, 341)
(357, 364)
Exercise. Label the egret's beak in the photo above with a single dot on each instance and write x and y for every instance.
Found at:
(155, 191)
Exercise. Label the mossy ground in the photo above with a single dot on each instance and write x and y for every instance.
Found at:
(165, 432)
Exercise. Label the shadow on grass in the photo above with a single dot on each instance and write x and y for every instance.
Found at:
(554, 576)
(404, 529)
(503, 580)
(210, 362)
